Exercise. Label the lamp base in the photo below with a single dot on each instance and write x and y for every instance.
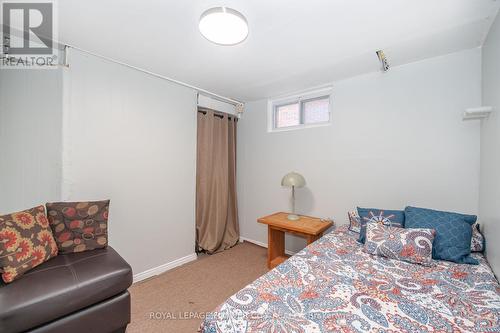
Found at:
(293, 217)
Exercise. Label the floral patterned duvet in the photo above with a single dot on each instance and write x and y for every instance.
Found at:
(333, 286)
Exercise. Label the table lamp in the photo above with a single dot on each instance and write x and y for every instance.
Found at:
(293, 180)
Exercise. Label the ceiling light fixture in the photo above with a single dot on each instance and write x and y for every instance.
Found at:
(223, 26)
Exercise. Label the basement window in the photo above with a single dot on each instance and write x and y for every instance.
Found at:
(300, 111)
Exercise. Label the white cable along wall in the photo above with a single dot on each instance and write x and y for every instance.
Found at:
(203, 92)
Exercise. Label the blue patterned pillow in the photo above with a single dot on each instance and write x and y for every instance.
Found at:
(395, 218)
(453, 232)
(411, 245)
(478, 241)
(354, 221)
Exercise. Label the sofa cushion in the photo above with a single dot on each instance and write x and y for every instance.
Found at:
(79, 226)
(110, 315)
(62, 286)
(26, 241)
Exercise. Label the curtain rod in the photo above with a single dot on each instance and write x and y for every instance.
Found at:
(218, 114)
(200, 90)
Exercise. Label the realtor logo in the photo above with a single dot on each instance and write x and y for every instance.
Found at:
(28, 30)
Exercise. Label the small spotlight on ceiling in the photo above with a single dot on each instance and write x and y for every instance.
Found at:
(383, 61)
(223, 26)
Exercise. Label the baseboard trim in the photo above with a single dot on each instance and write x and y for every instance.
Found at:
(163, 268)
(244, 239)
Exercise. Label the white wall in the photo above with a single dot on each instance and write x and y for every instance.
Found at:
(30, 138)
(397, 138)
(489, 201)
(131, 137)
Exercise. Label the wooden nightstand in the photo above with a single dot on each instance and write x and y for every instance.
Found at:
(311, 228)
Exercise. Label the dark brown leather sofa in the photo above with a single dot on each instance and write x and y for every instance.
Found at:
(80, 292)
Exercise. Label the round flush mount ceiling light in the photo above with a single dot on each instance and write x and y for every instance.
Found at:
(223, 26)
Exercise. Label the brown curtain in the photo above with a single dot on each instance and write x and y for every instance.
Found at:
(217, 226)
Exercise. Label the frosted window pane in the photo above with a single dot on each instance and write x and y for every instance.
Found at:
(316, 111)
(287, 115)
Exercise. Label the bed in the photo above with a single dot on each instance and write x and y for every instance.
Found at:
(333, 286)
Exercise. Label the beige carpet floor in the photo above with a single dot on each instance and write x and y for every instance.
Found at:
(166, 302)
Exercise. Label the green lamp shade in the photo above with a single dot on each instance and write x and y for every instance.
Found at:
(293, 179)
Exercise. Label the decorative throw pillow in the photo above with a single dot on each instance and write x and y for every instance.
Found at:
(79, 226)
(477, 241)
(453, 232)
(26, 241)
(354, 221)
(395, 218)
(411, 245)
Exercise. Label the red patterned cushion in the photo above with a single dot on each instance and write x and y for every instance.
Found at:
(79, 226)
(26, 241)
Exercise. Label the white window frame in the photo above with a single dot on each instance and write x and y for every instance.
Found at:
(300, 98)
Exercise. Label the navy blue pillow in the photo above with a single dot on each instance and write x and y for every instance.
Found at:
(395, 218)
(453, 232)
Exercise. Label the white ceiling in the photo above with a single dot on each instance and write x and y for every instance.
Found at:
(292, 44)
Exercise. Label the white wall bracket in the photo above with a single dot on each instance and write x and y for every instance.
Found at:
(384, 63)
(477, 113)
